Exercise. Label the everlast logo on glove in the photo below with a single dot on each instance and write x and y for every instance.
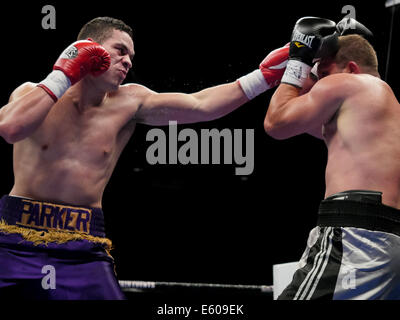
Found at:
(70, 53)
(306, 39)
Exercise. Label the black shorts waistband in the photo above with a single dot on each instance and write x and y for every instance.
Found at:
(359, 209)
(44, 215)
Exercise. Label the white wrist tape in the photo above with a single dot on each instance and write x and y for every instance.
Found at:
(314, 70)
(57, 82)
(253, 84)
(296, 73)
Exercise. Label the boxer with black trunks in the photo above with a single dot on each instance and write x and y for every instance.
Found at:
(68, 132)
(353, 253)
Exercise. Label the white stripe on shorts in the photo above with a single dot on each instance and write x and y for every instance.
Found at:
(319, 265)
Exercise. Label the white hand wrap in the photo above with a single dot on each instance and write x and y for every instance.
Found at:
(296, 73)
(57, 83)
(314, 69)
(253, 84)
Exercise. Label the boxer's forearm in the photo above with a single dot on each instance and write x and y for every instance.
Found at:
(216, 102)
(205, 105)
(24, 114)
(279, 108)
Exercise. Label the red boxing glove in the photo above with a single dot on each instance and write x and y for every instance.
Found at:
(268, 76)
(78, 60)
(274, 65)
(81, 58)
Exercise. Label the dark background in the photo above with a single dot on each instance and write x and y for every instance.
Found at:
(198, 223)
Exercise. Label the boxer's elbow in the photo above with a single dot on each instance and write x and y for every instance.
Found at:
(3, 128)
(11, 133)
(9, 136)
(274, 128)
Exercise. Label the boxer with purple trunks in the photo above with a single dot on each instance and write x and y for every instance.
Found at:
(68, 132)
(39, 240)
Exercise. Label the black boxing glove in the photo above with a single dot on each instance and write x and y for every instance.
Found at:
(346, 26)
(305, 42)
(351, 26)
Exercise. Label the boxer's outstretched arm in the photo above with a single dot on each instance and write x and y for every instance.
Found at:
(206, 105)
(214, 102)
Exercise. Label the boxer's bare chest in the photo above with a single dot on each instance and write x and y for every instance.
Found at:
(91, 134)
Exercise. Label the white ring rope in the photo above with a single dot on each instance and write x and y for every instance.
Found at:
(133, 285)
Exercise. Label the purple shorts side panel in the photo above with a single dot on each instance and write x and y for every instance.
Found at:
(73, 270)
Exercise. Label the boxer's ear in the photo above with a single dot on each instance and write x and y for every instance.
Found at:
(353, 67)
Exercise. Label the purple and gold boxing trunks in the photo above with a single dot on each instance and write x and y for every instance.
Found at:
(54, 251)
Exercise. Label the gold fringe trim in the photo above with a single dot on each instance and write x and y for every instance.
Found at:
(57, 236)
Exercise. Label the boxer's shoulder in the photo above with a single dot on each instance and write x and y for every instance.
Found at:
(341, 85)
(126, 101)
(133, 90)
(130, 95)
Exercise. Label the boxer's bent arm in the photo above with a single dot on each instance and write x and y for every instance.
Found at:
(205, 105)
(307, 86)
(316, 132)
(28, 106)
(290, 114)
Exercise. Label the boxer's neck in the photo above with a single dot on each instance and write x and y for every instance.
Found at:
(85, 94)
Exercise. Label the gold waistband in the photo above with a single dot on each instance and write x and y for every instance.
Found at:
(54, 236)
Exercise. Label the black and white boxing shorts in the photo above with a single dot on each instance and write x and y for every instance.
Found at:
(353, 253)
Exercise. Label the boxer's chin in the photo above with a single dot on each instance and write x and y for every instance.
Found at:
(108, 82)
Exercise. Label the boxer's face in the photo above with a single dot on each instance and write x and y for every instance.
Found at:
(327, 67)
(121, 50)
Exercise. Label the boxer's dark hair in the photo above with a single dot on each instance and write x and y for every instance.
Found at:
(99, 29)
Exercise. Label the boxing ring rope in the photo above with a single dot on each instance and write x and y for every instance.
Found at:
(143, 286)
